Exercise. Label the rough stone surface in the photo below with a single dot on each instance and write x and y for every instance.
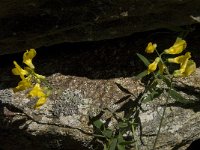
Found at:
(73, 100)
(26, 24)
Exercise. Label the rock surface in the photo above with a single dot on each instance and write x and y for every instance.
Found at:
(66, 113)
(26, 24)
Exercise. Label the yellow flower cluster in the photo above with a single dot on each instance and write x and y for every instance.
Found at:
(187, 66)
(30, 79)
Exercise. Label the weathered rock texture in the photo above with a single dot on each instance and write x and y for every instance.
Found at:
(64, 118)
(28, 24)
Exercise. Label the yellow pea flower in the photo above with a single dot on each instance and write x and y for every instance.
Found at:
(184, 64)
(180, 59)
(153, 66)
(189, 69)
(40, 102)
(19, 71)
(150, 47)
(23, 85)
(28, 56)
(177, 48)
(176, 60)
(37, 91)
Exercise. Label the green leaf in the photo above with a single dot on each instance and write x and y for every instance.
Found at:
(105, 147)
(142, 74)
(176, 96)
(98, 136)
(107, 133)
(166, 80)
(152, 86)
(143, 59)
(126, 142)
(120, 138)
(98, 124)
(120, 147)
(123, 99)
(123, 89)
(154, 94)
(122, 125)
(113, 144)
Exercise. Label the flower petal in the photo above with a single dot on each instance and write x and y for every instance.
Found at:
(177, 48)
(150, 47)
(176, 60)
(184, 62)
(190, 68)
(153, 66)
(40, 102)
(19, 71)
(28, 56)
(37, 91)
(22, 85)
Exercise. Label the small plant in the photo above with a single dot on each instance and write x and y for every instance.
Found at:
(114, 139)
(161, 74)
(30, 79)
(162, 79)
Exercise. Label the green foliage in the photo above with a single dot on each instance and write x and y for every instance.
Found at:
(111, 139)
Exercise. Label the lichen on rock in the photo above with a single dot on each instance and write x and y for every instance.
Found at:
(5, 96)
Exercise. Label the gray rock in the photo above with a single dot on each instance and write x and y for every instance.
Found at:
(26, 24)
(65, 116)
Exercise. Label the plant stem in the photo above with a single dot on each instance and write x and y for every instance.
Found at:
(135, 136)
(162, 117)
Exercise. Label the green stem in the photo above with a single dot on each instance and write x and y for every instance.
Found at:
(162, 117)
(135, 136)
(160, 55)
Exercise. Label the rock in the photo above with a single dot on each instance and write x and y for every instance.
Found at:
(26, 24)
(65, 116)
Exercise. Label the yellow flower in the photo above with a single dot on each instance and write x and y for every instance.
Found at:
(189, 69)
(37, 91)
(176, 60)
(40, 102)
(153, 66)
(28, 56)
(150, 48)
(23, 85)
(182, 60)
(19, 71)
(177, 48)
